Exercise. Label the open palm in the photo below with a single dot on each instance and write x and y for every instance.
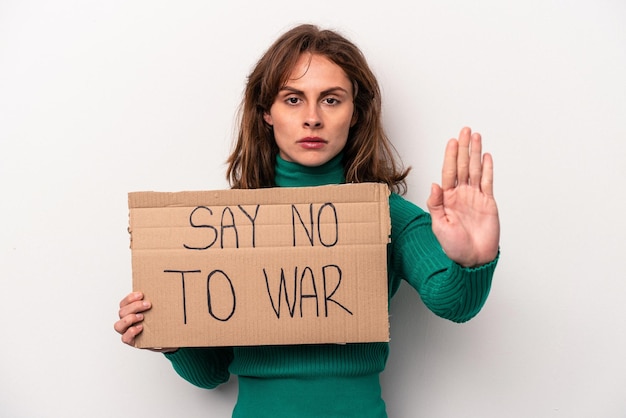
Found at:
(463, 209)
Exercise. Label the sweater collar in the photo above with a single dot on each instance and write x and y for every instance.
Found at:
(290, 174)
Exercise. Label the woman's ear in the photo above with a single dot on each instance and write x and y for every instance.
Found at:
(268, 118)
(355, 117)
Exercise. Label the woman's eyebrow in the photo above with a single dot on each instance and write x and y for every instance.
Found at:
(334, 90)
(290, 90)
(322, 93)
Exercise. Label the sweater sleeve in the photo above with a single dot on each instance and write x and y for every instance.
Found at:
(449, 290)
(203, 367)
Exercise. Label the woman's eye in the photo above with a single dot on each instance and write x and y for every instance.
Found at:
(293, 100)
(331, 101)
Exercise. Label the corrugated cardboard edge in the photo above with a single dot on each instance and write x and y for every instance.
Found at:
(149, 199)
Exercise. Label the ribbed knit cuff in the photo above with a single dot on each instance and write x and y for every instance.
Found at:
(202, 367)
(474, 285)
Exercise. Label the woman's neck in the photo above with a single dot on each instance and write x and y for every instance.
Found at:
(290, 174)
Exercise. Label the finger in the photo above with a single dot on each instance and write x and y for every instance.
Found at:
(486, 181)
(435, 200)
(449, 173)
(126, 322)
(129, 336)
(130, 298)
(475, 164)
(463, 156)
(134, 308)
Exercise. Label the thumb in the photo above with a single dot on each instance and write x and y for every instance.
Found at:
(435, 201)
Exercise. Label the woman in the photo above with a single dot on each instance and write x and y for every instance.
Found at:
(311, 115)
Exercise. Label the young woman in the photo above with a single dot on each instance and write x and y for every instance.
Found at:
(311, 115)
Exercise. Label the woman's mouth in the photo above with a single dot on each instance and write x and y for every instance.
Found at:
(312, 142)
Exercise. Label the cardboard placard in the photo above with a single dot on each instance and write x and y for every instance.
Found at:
(262, 267)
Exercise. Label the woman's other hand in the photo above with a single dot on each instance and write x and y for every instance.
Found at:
(463, 209)
(131, 315)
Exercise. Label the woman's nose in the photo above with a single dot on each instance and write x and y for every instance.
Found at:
(313, 118)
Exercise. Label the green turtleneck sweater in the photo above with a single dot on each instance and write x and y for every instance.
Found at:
(340, 380)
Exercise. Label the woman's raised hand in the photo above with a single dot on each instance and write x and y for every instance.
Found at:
(464, 212)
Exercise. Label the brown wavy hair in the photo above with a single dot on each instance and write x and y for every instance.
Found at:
(368, 155)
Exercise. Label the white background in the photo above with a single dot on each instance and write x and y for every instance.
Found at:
(99, 98)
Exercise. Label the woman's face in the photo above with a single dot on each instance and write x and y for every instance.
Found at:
(313, 112)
